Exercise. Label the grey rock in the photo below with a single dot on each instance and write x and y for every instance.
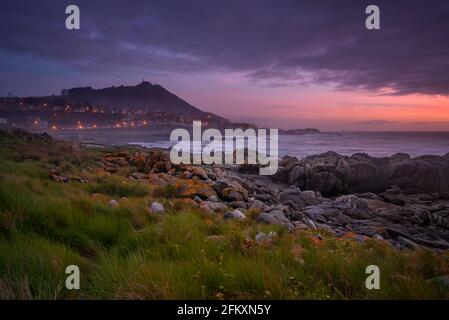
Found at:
(310, 223)
(212, 198)
(300, 226)
(216, 206)
(238, 205)
(113, 203)
(236, 214)
(157, 207)
(407, 243)
(274, 217)
(259, 205)
(395, 232)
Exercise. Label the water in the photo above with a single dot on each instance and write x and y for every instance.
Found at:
(376, 144)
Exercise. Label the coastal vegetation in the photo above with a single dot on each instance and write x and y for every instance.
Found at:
(61, 204)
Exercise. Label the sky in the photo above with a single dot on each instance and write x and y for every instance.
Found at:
(283, 63)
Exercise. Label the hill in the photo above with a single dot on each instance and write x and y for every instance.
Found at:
(144, 96)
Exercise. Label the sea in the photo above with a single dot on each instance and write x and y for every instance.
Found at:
(376, 144)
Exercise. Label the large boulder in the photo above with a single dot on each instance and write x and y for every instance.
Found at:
(334, 174)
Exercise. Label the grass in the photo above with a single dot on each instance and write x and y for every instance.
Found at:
(127, 252)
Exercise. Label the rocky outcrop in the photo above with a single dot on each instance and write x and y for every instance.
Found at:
(334, 174)
(399, 200)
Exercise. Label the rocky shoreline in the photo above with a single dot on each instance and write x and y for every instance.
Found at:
(400, 200)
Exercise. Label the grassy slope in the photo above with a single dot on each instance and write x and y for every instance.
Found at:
(126, 252)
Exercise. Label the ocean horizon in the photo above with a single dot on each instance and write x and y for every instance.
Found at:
(376, 144)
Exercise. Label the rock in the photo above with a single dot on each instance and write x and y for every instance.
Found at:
(378, 237)
(236, 214)
(334, 174)
(440, 244)
(310, 223)
(191, 188)
(366, 230)
(199, 172)
(205, 208)
(113, 203)
(325, 227)
(197, 199)
(264, 197)
(220, 185)
(154, 162)
(409, 244)
(232, 195)
(263, 237)
(294, 174)
(139, 176)
(395, 232)
(300, 226)
(259, 205)
(238, 205)
(216, 206)
(157, 207)
(274, 217)
(212, 198)
(439, 218)
(352, 202)
(230, 190)
(392, 196)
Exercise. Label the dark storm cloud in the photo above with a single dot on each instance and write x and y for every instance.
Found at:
(278, 42)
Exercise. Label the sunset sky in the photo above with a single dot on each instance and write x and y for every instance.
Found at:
(288, 64)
